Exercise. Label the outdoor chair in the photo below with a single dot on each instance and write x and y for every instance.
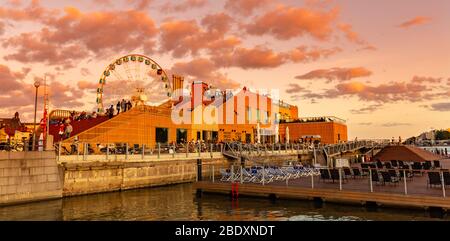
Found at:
(437, 164)
(388, 165)
(325, 174)
(356, 173)
(393, 173)
(375, 177)
(379, 164)
(387, 178)
(446, 178)
(365, 168)
(408, 173)
(400, 163)
(347, 172)
(434, 179)
(417, 167)
(394, 163)
(427, 165)
(335, 175)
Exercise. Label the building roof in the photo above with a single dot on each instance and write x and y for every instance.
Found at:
(406, 153)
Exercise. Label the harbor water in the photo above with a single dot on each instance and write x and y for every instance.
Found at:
(178, 202)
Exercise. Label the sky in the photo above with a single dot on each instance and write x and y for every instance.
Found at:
(383, 66)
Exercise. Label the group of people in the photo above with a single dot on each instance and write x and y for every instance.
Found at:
(82, 115)
(121, 106)
(65, 129)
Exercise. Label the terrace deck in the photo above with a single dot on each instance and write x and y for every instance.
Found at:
(419, 195)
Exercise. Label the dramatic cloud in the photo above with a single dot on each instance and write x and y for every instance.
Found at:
(2, 28)
(367, 109)
(183, 5)
(182, 37)
(257, 58)
(245, 7)
(294, 88)
(74, 35)
(341, 74)
(391, 92)
(288, 22)
(86, 85)
(205, 70)
(9, 80)
(419, 20)
(303, 54)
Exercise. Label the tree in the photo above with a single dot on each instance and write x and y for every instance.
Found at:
(442, 135)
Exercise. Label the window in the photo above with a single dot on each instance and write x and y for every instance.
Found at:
(257, 115)
(249, 114)
(162, 135)
(181, 135)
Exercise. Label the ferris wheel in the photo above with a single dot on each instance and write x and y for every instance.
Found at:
(133, 77)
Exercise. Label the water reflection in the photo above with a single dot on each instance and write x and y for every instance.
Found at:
(178, 202)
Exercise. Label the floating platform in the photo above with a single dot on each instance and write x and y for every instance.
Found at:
(274, 191)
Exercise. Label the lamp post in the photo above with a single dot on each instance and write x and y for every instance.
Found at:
(36, 85)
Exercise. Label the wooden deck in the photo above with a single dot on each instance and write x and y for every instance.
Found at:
(353, 191)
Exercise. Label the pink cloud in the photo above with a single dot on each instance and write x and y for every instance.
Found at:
(9, 80)
(304, 54)
(286, 22)
(87, 85)
(205, 70)
(183, 5)
(341, 74)
(419, 20)
(246, 7)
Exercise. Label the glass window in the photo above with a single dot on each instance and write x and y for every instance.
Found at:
(181, 135)
(162, 135)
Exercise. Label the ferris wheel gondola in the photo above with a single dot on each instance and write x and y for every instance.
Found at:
(135, 77)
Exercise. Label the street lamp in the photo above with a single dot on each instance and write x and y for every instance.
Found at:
(36, 85)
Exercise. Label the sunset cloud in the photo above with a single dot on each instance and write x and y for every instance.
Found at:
(10, 80)
(395, 124)
(183, 5)
(303, 54)
(294, 88)
(245, 7)
(76, 35)
(340, 74)
(419, 20)
(205, 70)
(367, 109)
(287, 22)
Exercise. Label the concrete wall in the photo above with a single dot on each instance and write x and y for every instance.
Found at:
(28, 176)
(95, 177)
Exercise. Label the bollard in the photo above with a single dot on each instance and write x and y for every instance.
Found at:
(84, 151)
(273, 147)
(279, 148)
(312, 181)
(59, 150)
(159, 150)
(232, 173)
(265, 149)
(213, 173)
(442, 183)
(78, 152)
(404, 181)
(143, 151)
(287, 182)
(107, 151)
(242, 178)
(126, 151)
(199, 150)
(370, 179)
(211, 150)
(199, 170)
(340, 179)
(173, 152)
(187, 149)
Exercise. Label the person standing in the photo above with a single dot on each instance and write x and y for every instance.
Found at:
(69, 130)
(111, 112)
(118, 107)
(123, 105)
(61, 131)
